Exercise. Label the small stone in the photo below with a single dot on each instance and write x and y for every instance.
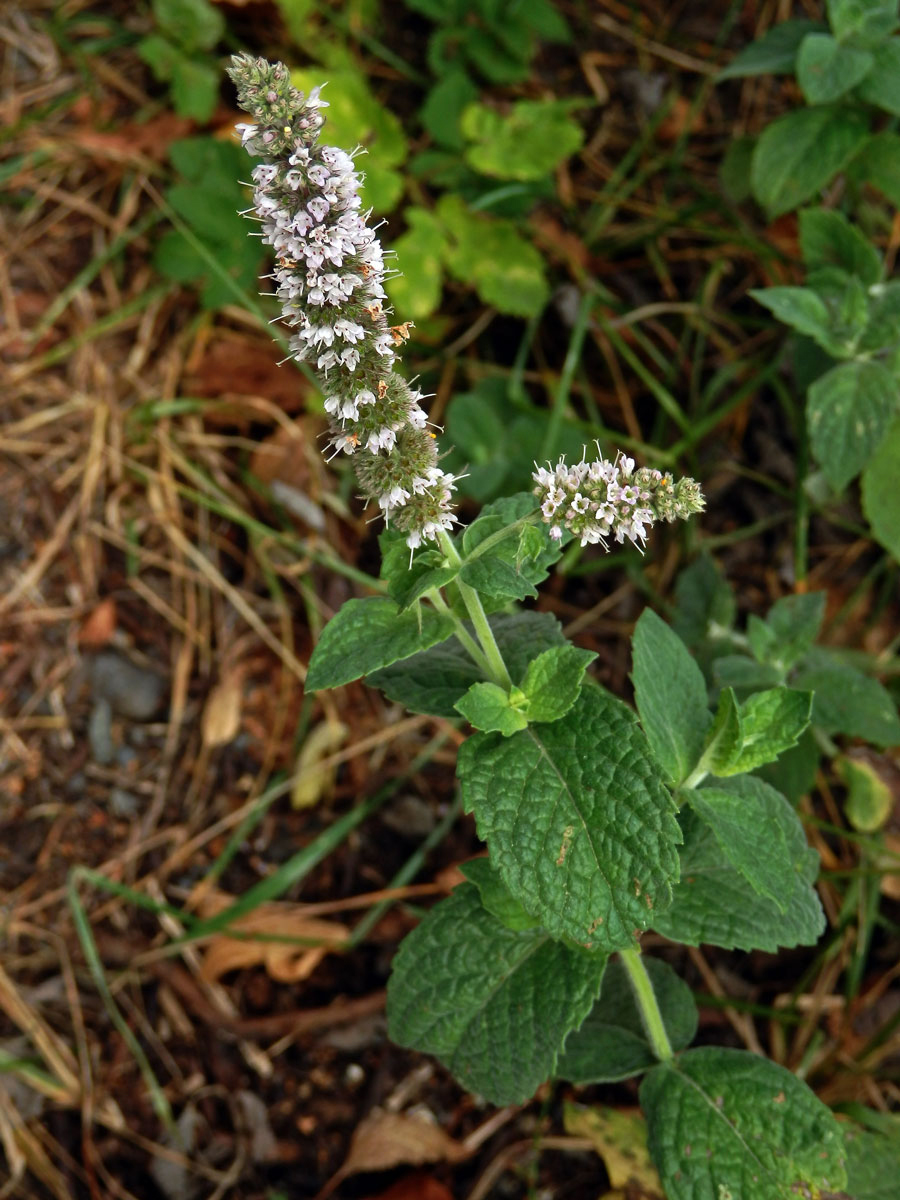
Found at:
(130, 690)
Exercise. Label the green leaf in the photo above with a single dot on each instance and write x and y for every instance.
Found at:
(553, 681)
(802, 309)
(794, 772)
(416, 292)
(496, 896)
(506, 270)
(827, 239)
(883, 328)
(408, 581)
(848, 702)
(485, 52)
(799, 153)
(728, 1123)
(367, 634)
(494, 1005)
(526, 143)
(191, 24)
(612, 1043)
(195, 88)
(443, 108)
(789, 630)
(734, 169)
(159, 54)
(878, 163)
(873, 1163)
(576, 820)
(490, 708)
(862, 22)
(433, 681)
(704, 602)
(736, 810)
(725, 737)
(546, 20)
(745, 674)
(881, 85)
(775, 53)
(714, 904)
(491, 575)
(670, 693)
(771, 721)
(849, 410)
(827, 69)
(880, 494)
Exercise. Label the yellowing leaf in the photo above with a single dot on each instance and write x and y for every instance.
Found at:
(311, 781)
(221, 720)
(620, 1138)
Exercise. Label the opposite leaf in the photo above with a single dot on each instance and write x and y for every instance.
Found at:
(496, 896)
(490, 708)
(492, 1004)
(757, 831)
(714, 903)
(553, 681)
(771, 721)
(612, 1043)
(846, 701)
(827, 239)
(577, 821)
(790, 628)
(670, 694)
(727, 1123)
(367, 634)
(849, 410)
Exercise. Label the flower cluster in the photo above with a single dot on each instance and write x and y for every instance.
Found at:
(329, 276)
(602, 499)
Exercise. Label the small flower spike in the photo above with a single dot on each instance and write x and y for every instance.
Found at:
(329, 276)
(602, 499)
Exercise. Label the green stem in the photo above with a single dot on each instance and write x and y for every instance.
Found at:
(646, 1001)
(470, 598)
(460, 630)
(695, 778)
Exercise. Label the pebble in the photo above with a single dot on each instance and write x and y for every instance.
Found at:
(130, 690)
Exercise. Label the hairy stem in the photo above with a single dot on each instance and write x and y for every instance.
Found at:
(462, 634)
(646, 1001)
(470, 598)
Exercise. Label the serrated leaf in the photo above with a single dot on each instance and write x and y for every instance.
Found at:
(612, 1043)
(489, 708)
(790, 628)
(365, 635)
(775, 53)
(444, 105)
(827, 239)
(804, 310)
(728, 1123)
(493, 576)
(408, 580)
(492, 1004)
(881, 496)
(794, 772)
(771, 721)
(726, 735)
(432, 682)
(849, 409)
(714, 904)
(745, 674)
(800, 152)
(496, 896)
(526, 143)
(576, 820)
(881, 85)
(704, 601)
(553, 681)
(828, 69)
(862, 22)
(846, 701)
(670, 693)
(737, 810)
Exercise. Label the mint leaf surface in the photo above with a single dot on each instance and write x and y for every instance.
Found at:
(789, 630)
(849, 410)
(846, 701)
(612, 1043)
(432, 682)
(758, 832)
(881, 496)
(728, 1123)
(827, 69)
(775, 53)
(488, 707)
(496, 896)
(553, 681)
(771, 721)
(577, 820)
(873, 1163)
(827, 239)
(492, 1004)
(367, 634)
(713, 903)
(670, 693)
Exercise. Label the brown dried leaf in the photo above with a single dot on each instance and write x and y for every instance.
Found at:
(221, 720)
(285, 961)
(99, 626)
(384, 1140)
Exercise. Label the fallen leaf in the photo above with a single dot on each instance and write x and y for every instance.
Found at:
(620, 1138)
(415, 1187)
(221, 720)
(311, 781)
(285, 960)
(99, 626)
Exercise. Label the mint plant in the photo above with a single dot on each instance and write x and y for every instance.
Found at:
(600, 823)
(848, 72)
(180, 54)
